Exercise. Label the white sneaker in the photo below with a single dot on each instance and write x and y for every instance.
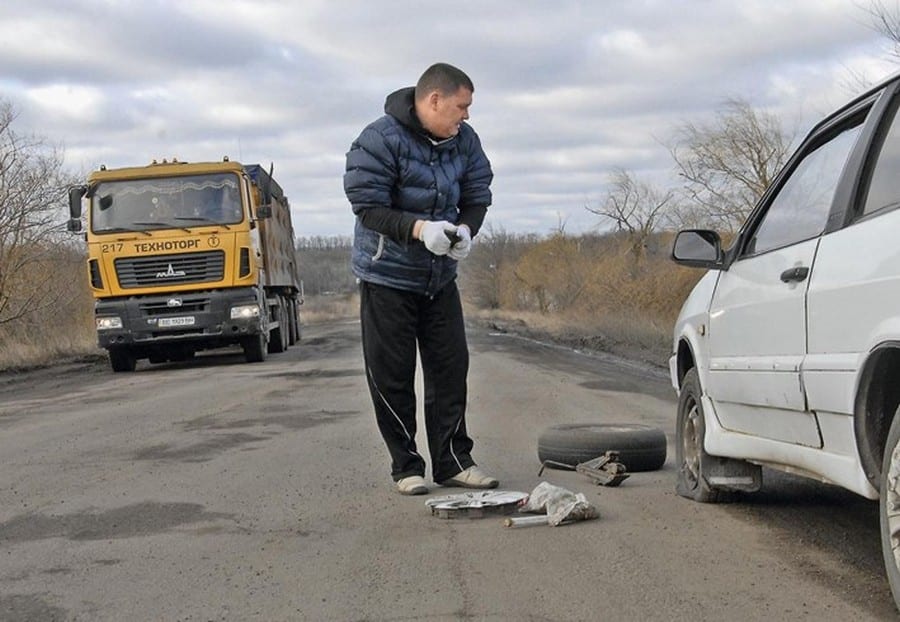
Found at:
(473, 477)
(412, 485)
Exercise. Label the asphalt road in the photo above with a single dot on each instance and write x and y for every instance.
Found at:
(218, 490)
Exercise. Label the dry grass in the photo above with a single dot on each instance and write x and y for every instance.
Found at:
(599, 293)
(319, 309)
(629, 336)
(49, 313)
(17, 353)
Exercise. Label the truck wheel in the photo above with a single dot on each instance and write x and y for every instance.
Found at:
(254, 348)
(285, 318)
(286, 326)
(278, 336)
(640, 447)
(294, 335)
(889, 503)
(121, 359)
(691, 481)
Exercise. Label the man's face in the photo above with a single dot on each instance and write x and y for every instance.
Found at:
(442, 114)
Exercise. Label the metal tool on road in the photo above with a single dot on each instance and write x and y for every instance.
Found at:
(605, 470)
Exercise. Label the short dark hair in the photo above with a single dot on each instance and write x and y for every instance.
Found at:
(443, 77)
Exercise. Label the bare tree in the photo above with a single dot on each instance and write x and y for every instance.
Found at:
(325, 264)
(487, 269)
(32, 208)
(728, 164)
(635, 208)
(886, 21)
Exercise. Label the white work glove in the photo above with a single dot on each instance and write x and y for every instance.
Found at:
(460, 250)
(436, 236)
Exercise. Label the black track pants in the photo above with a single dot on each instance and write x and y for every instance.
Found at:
(394, 323)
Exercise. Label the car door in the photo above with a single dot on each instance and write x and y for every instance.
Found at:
(854, 295)
(757, 318)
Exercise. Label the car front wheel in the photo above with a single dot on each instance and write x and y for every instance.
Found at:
(690, 456)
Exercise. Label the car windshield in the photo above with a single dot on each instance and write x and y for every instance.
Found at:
(166, 203)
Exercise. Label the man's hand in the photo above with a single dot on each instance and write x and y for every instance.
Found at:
(460, 249)
(434, 233)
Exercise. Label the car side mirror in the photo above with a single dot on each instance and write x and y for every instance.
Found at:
(699, 248)
(264, 211)
(74, 225)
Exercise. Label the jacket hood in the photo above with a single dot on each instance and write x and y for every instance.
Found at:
(401, 104)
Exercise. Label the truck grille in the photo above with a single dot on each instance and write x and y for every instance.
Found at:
(170, 269)
(176, 305)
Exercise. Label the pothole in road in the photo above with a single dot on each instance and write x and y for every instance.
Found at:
(197, 452)
(293, 421)
(319, 373)
(139, 519)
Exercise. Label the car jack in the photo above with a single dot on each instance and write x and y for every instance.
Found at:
(605, 470)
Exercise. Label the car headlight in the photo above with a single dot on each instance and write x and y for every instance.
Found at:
(106, 323)
(244, 312)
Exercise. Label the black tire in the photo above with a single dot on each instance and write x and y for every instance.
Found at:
(690, 456)
(298, 325)
(278, 336)
(122, 360)
(286, 318)
(640, 447)
(889, 500)
(254, 348)
(293, 332)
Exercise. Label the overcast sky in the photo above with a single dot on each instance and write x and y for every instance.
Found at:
(565, 91)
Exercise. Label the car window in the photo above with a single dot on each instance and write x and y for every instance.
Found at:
(884, 187)
(800, 209)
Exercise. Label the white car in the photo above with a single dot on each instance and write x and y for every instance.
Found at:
(787, 352)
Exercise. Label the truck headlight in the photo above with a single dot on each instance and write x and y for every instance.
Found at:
(244, 312)
(106, 323)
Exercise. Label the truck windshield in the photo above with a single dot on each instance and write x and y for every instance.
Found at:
(166, 203)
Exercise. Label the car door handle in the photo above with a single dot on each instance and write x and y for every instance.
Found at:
(795, 274)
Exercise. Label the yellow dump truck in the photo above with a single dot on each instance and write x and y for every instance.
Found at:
(185, 257)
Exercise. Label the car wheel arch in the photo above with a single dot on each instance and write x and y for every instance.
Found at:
(877, 400)
(685, 359)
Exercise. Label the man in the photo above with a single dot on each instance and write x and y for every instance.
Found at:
(419, 184)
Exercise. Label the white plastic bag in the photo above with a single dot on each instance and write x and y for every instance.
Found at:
(560, 505)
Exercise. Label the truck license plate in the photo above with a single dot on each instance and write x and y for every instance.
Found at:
(187, 320)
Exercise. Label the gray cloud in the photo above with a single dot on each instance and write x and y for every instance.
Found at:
(565, 91)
